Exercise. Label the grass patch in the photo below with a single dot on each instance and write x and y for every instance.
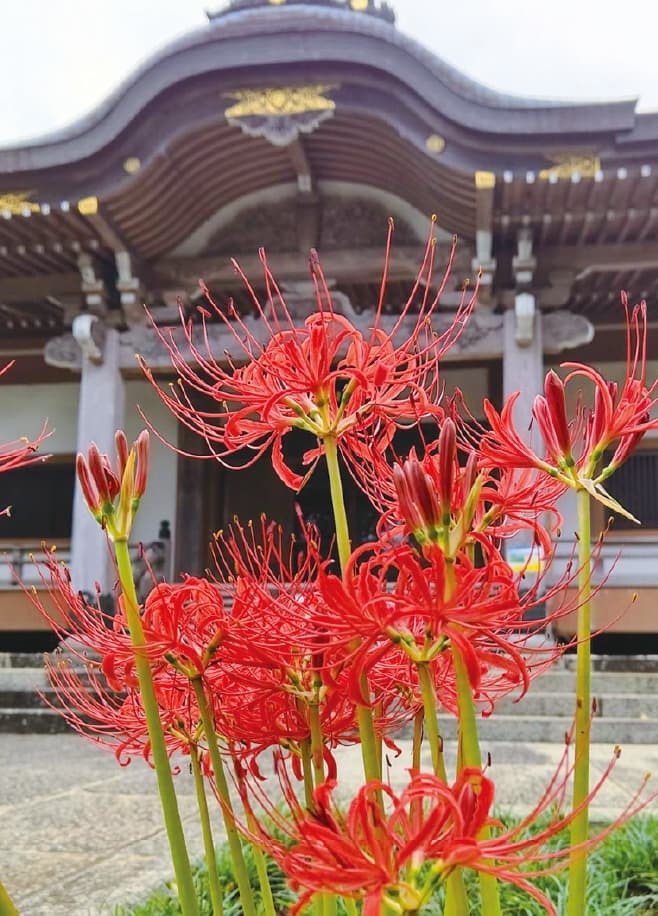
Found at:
(623, 881)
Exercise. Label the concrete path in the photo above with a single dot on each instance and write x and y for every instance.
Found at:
(79, 834)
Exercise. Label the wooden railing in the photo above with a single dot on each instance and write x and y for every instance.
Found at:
(19, 561)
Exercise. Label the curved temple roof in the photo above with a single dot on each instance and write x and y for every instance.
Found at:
(373, 67)
(322, 109)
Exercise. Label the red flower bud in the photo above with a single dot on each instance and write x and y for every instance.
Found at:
(557, 410)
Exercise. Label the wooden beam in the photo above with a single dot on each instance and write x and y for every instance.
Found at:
(107, 231)
(602, 258)
(355, 265)
(20, 289)
(302, 166)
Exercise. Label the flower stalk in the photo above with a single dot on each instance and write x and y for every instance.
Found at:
(216, 895)
(219, 776)
(583, 721)
(369, 743)
(7, 907)
(179, 855)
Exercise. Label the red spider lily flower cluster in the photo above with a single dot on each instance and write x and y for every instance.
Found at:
(280, 653)
(397, 854)
(327, 377)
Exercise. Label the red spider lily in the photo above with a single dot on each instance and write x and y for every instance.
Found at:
(397, 854)
(574, 448)
(183, 625)
(102, 484)
(326, 377)
(395, 599)
(93, 631)
(115, 720)
(269, 685)
(439, 499)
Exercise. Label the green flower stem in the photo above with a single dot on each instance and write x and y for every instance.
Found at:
(468, 733)
(173, 824)
(369, 741)
(267, 898)
(432, 721)
(337, 501)
(232, 836)
(329, 905)
(350, 906)
(317, 742)
(208, 844)
(580, 826)
(456, 898)
(307, 770)
(7, 907)
(471, 756)
(417, 742)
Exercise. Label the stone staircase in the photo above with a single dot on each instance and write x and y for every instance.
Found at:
(22, 710)
(625, 688)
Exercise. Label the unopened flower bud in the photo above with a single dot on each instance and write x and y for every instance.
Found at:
(447, 462)
(101, 483)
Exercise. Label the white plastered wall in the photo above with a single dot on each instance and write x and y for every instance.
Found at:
(24, 408)
(159, 502)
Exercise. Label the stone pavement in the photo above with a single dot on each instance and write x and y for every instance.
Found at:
(80, 834)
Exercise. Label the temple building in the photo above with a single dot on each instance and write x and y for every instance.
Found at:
(291, 125)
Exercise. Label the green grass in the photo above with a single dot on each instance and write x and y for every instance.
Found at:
(623, 881)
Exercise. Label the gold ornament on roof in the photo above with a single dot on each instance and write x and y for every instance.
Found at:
(435, 143)
(568, 164)
(88, 206)
(279, 101)
(18, 202)
(484, 181)
(131, 165)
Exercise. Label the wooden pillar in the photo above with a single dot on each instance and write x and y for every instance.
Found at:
(193, 512)
(100, 414)
(523, 359)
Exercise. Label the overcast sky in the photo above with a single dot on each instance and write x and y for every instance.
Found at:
(62, 57)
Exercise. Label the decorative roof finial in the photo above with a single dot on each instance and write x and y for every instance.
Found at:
(379, 8)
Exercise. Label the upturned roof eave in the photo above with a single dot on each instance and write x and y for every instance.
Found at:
(330, 37)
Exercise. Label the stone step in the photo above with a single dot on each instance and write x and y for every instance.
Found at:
(21, 660)
(552, 729)
(627, 703)
(27, 699)
(32, 721)
(624, 663)
(616, 705)
(558, 680)
(26, 679)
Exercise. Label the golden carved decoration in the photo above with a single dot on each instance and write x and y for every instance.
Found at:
(485, 181)
(18, 202)
(569, 163)
(88, 206)
(131, 165)
(435, 143)
(277, 2)
(359, 5)
(283, 100)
